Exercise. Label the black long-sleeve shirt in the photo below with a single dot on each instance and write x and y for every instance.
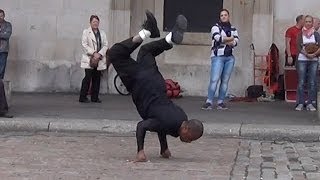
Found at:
(159, 113)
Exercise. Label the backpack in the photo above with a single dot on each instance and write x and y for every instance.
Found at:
(173, 89)
(255, 91)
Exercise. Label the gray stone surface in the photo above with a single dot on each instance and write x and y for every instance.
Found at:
(101, 156)
(117, 114)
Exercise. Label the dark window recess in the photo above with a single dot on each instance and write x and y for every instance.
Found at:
(201, 15)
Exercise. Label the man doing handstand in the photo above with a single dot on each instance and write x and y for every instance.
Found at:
(147, 86)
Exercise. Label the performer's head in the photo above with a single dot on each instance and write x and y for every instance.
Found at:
(191, 130)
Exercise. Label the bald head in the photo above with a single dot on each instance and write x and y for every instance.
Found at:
(316, 23)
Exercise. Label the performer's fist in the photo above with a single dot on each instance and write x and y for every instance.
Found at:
(166, 154)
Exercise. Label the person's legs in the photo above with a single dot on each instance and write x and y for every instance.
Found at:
(312, 82)
(3, 63)
(85, 85)
(119, 54)
(216, 71)
(3, 99)
(95, 86)
(301, 70)
(225, 77)
(149, 51)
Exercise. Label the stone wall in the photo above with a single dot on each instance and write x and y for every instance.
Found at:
(45, 46)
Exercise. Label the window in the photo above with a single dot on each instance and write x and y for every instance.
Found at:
(201, 14)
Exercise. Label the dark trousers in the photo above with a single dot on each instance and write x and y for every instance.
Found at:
(126, 67)
(3, 99)
(3, 63)
(93, 76)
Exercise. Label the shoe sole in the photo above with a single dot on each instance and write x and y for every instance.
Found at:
(179, 28)
(206, 109)
(219, 108)
(152, 19)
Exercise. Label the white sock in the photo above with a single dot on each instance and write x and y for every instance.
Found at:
(144, 34)
(168, 38)
(220, 101)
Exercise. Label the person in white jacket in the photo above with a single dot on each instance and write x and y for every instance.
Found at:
(95, 46)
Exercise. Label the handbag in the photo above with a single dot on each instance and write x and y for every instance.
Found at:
(311, 48)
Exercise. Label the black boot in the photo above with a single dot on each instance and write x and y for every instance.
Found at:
(178, 29)
(151, 25)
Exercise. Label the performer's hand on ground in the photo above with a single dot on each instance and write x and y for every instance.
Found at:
(166, 154)
(141, 157)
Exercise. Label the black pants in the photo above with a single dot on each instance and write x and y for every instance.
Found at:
(93, 76)
(3, 99)
(126, 67)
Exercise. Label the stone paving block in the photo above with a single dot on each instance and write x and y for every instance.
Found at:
(305, 160)
(310, 168)
(268, 165)
(295, 167)
(238, 177)
(255, 153)
(298, 174)
(267, 158)
(244, 152)
(290, 151)
(313, 176)
(282, 168)
(280, 157)
(309, 144)
(255, 161)
(314, 149)
(293, 157)
(268, 174)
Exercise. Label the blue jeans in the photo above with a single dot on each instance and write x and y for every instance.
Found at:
(221, 69)
(307, 70)
(3, 63)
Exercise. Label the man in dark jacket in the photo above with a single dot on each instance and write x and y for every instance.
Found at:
(5, 33)
(147, 86)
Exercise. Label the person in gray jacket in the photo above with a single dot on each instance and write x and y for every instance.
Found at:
(5, 33)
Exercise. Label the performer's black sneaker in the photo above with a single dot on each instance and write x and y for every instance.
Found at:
(179, 28)
(151, 25)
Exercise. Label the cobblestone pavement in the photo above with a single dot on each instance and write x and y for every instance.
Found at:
(92, 156)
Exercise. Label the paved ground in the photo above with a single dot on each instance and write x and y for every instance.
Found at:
(93, 156)
(115, 107)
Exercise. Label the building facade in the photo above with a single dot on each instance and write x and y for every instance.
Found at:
(45, 46)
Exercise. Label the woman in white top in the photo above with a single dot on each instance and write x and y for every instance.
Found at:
(307, 66)
(95, 46)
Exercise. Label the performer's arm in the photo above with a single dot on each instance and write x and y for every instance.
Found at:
(142, 128)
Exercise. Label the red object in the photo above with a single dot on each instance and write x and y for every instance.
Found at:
(173, 88)
(266, 69)
(292, 33)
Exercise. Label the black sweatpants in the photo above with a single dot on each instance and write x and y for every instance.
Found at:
(93, 76)
(126, 67)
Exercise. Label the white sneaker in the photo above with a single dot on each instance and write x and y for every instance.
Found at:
(299, 107)
(310, 107)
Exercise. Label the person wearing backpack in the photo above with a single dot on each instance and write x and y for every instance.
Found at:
(307, 67)
(224, 39)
